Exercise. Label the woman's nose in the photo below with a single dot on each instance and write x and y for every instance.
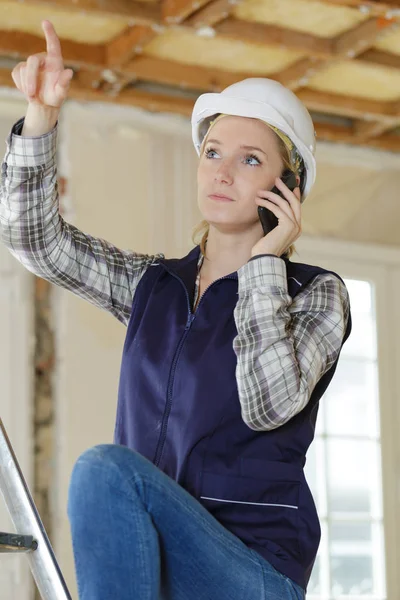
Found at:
(224, 173)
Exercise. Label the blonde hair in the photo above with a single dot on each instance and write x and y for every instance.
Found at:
(200, 232)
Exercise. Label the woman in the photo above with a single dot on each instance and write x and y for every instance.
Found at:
(227, 354)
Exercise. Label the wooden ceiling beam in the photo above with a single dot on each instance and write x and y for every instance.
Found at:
(366, 130)
(389, 141)
(332, 133)
(129, 43)
(296, 75)
(349, 44)
(357, 40)
(199, 78)
(90, 79)
(176, 11)
(378, 57)
(147, 68)
(214, 12)
(345, 106)
(131, 97)
(105, 80)
(19, 45)
(341, 134)
(271, 35)
(5, 78)
(203, 78)
(394, 108)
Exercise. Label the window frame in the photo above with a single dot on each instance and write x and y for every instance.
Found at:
(381, 266)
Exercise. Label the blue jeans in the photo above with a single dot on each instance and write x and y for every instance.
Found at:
(138, 535)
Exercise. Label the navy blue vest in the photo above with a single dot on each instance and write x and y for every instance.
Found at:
(179, 407)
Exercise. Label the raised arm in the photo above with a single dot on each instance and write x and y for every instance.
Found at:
(30, 224)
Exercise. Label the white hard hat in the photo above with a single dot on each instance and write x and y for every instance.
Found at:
(269, 101)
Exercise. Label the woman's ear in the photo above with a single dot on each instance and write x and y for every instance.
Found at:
(298, 180)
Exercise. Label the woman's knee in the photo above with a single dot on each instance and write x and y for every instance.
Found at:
(101, 468)
(90, 471)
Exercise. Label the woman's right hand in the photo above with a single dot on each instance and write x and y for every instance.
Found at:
(42, 78)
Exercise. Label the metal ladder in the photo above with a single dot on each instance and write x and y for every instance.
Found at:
(30, 536)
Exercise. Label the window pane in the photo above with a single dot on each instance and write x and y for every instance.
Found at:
(350, 403)
(352, 475)
(360, 293)
(351, 575)
(345, 531)
(362, 341)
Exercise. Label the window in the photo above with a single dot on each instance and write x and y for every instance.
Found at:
(343, 466)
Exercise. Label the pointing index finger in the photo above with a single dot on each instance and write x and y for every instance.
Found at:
(52, 41)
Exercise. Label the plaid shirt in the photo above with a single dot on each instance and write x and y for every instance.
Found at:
(283, 345)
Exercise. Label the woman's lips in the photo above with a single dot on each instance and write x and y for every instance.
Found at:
(220, 198)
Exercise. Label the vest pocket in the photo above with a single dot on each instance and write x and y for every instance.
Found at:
(262, 512)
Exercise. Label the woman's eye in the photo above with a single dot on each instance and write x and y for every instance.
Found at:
(252, 160)
(210, 153)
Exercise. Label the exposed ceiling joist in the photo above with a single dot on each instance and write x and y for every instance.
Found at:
(365, 130)
(271, 35)
(132, 97)
(146, 68)
(211, 14)
(129, 43)
(201, 78)
(342, 134)
(386, 59)
(20, 45)
(176, 11)
(5, 78)
(296, 76)
(356, 108)
(119, 70)
(353, 42)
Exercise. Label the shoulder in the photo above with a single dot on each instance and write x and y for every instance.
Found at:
(314, 286)
(305, 276)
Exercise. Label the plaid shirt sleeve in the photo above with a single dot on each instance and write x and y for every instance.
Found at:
(35, 233)
(284, 345)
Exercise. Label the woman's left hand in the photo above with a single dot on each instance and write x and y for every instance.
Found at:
(288, 213)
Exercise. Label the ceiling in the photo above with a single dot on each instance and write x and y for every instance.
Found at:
(341, 57)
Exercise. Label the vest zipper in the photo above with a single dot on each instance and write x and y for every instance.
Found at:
(164, 424)
(191, 316)
(206, 290)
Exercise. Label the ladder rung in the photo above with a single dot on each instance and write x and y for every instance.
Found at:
(13, 542)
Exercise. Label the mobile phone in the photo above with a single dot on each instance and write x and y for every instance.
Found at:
(268, 220)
